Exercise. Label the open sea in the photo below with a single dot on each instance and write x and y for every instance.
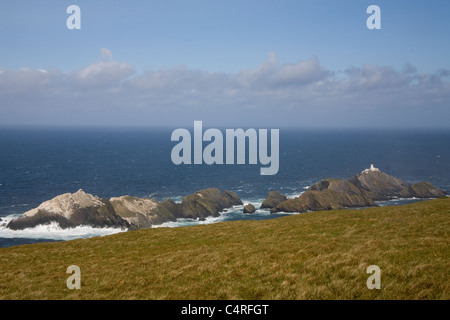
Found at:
(37, 164)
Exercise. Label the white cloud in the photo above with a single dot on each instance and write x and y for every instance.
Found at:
(302, 93)
(272, 58)
(304, 72)
(271, 73)
(106, 54)
(104, 72)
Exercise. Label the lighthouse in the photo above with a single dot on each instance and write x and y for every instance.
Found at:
(371, 169)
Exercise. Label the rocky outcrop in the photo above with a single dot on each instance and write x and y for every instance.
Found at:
(426, 190)
(141, 212)
(327, 194)
(207, 202)
(70, 210)
(273, 199)
(381, 186)
(249, 208)
(361, 190)
(172, 207)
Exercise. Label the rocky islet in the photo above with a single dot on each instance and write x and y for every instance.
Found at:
(128, 212)
(361, 190)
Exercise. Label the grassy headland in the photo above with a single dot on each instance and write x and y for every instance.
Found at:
(317, 255)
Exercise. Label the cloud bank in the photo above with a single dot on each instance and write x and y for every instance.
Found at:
(301, 94)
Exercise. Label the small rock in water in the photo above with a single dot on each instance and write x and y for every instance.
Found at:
(249, 208)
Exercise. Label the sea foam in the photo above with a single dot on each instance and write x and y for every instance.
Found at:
(53, 231)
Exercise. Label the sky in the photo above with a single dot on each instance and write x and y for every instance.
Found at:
(228, 63)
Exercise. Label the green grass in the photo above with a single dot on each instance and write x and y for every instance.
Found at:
(317, 255)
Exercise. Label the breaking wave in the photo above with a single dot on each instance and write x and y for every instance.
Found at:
(53, 231)
(231, 214)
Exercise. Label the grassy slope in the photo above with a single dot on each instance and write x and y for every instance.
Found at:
(319, 255)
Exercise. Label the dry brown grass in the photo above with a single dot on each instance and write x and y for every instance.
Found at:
(319, 255)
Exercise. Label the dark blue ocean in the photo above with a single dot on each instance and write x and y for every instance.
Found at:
(37, 164)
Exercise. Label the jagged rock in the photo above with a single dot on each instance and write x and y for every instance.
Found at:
(249, 208)
(381, 186)
(71, 210)
(327, 194)
(273, 199)
(230, 199)
(141, 212)
(172, 207)
(207, 202)
(361, 190)
(426, 190)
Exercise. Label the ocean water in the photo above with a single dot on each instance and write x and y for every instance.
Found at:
(37, 164)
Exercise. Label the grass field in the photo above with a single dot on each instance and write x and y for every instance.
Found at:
(317, 255)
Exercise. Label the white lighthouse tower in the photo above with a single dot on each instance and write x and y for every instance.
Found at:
(372, 168)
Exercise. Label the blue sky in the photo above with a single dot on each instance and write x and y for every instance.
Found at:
(314, 61)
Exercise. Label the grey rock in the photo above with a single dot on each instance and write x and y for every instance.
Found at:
(207, 202)
(361, 190)
(141, 212)
(70, 210)
(381, 186)
(273, 199)
(249, 208)
(327, 194)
